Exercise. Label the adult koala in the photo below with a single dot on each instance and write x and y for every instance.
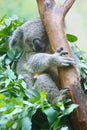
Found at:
(36, 65)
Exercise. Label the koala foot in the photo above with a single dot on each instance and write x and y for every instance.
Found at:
(62, 95)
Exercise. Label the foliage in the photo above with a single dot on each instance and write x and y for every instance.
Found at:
(71, 38)
(7, 26)
(81, 61)
(21, 108)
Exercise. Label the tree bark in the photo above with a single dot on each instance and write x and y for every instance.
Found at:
(53, 17)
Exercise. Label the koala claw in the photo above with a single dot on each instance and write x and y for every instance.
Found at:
(62, 95)
(61, 51)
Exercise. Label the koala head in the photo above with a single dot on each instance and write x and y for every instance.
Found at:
(34, 36)
(30, 37)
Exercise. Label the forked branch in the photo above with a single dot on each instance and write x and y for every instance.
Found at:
(67, 5)
(53, 17)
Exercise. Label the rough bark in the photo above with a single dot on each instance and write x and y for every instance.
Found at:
(53, 19)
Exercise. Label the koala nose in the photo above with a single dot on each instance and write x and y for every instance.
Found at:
(37, 45)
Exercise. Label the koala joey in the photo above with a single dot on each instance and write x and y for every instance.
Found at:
(37, 65)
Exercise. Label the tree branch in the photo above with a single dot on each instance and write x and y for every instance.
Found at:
(53, 20)
(67, 5)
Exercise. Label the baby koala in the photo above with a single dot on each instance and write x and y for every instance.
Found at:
(36, 65)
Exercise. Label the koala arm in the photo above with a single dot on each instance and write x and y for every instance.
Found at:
(42, 61)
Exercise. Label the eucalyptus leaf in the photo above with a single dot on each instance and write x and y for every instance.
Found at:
(11, 54)
(43, 94)
(51, 114)
(31, 93)
(61, 105)
(2, 59)
(7, 82)
(7, 22)
(10, 73)
(14, 17)
(64, 128)
(2, 96)
(14, 126)
(7, 61)
(85, 86)
(26, 123)
(71, 38)
(70, 109)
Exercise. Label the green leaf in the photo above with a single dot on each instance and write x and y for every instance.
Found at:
(31, 93)
(64, 128)
(71, 38)
(7, 61)
(83, 65)
(51, 114)
(10, 73)
(1, 105)
(16, 111)
(23, 114)
(2, 59)
(61, 105)
(70, 109)
(20, 77)
(17, 101)
(34, 99)
(14, 126)
(85, 86)
(21, 83)
(7, 82)
(56, 124)
(3, 17)
(2, 96)
(26, 123)
(7, 22)
(43, 94)
(5, 31)
(14, 17)
(11, 54)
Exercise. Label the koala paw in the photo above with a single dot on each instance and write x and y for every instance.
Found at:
(61, 51)
(62, 59)
(62, 95)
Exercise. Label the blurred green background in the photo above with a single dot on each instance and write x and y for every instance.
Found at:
(76, 20)
(23, 8)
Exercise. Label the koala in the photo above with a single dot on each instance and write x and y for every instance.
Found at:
(37, 64)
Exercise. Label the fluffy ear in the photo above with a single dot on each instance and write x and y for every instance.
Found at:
(16, 38)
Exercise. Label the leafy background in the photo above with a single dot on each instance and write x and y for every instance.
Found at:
(76, 20)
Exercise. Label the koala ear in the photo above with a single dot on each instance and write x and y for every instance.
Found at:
(16, 37)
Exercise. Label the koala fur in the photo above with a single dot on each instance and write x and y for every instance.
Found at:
(36, 65)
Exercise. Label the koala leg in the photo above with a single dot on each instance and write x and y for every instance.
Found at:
(44, 82)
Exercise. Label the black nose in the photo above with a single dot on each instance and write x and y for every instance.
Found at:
(38, 45)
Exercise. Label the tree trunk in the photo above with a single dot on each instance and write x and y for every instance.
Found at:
(53, 17)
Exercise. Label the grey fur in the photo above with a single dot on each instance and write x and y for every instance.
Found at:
(32, 63)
